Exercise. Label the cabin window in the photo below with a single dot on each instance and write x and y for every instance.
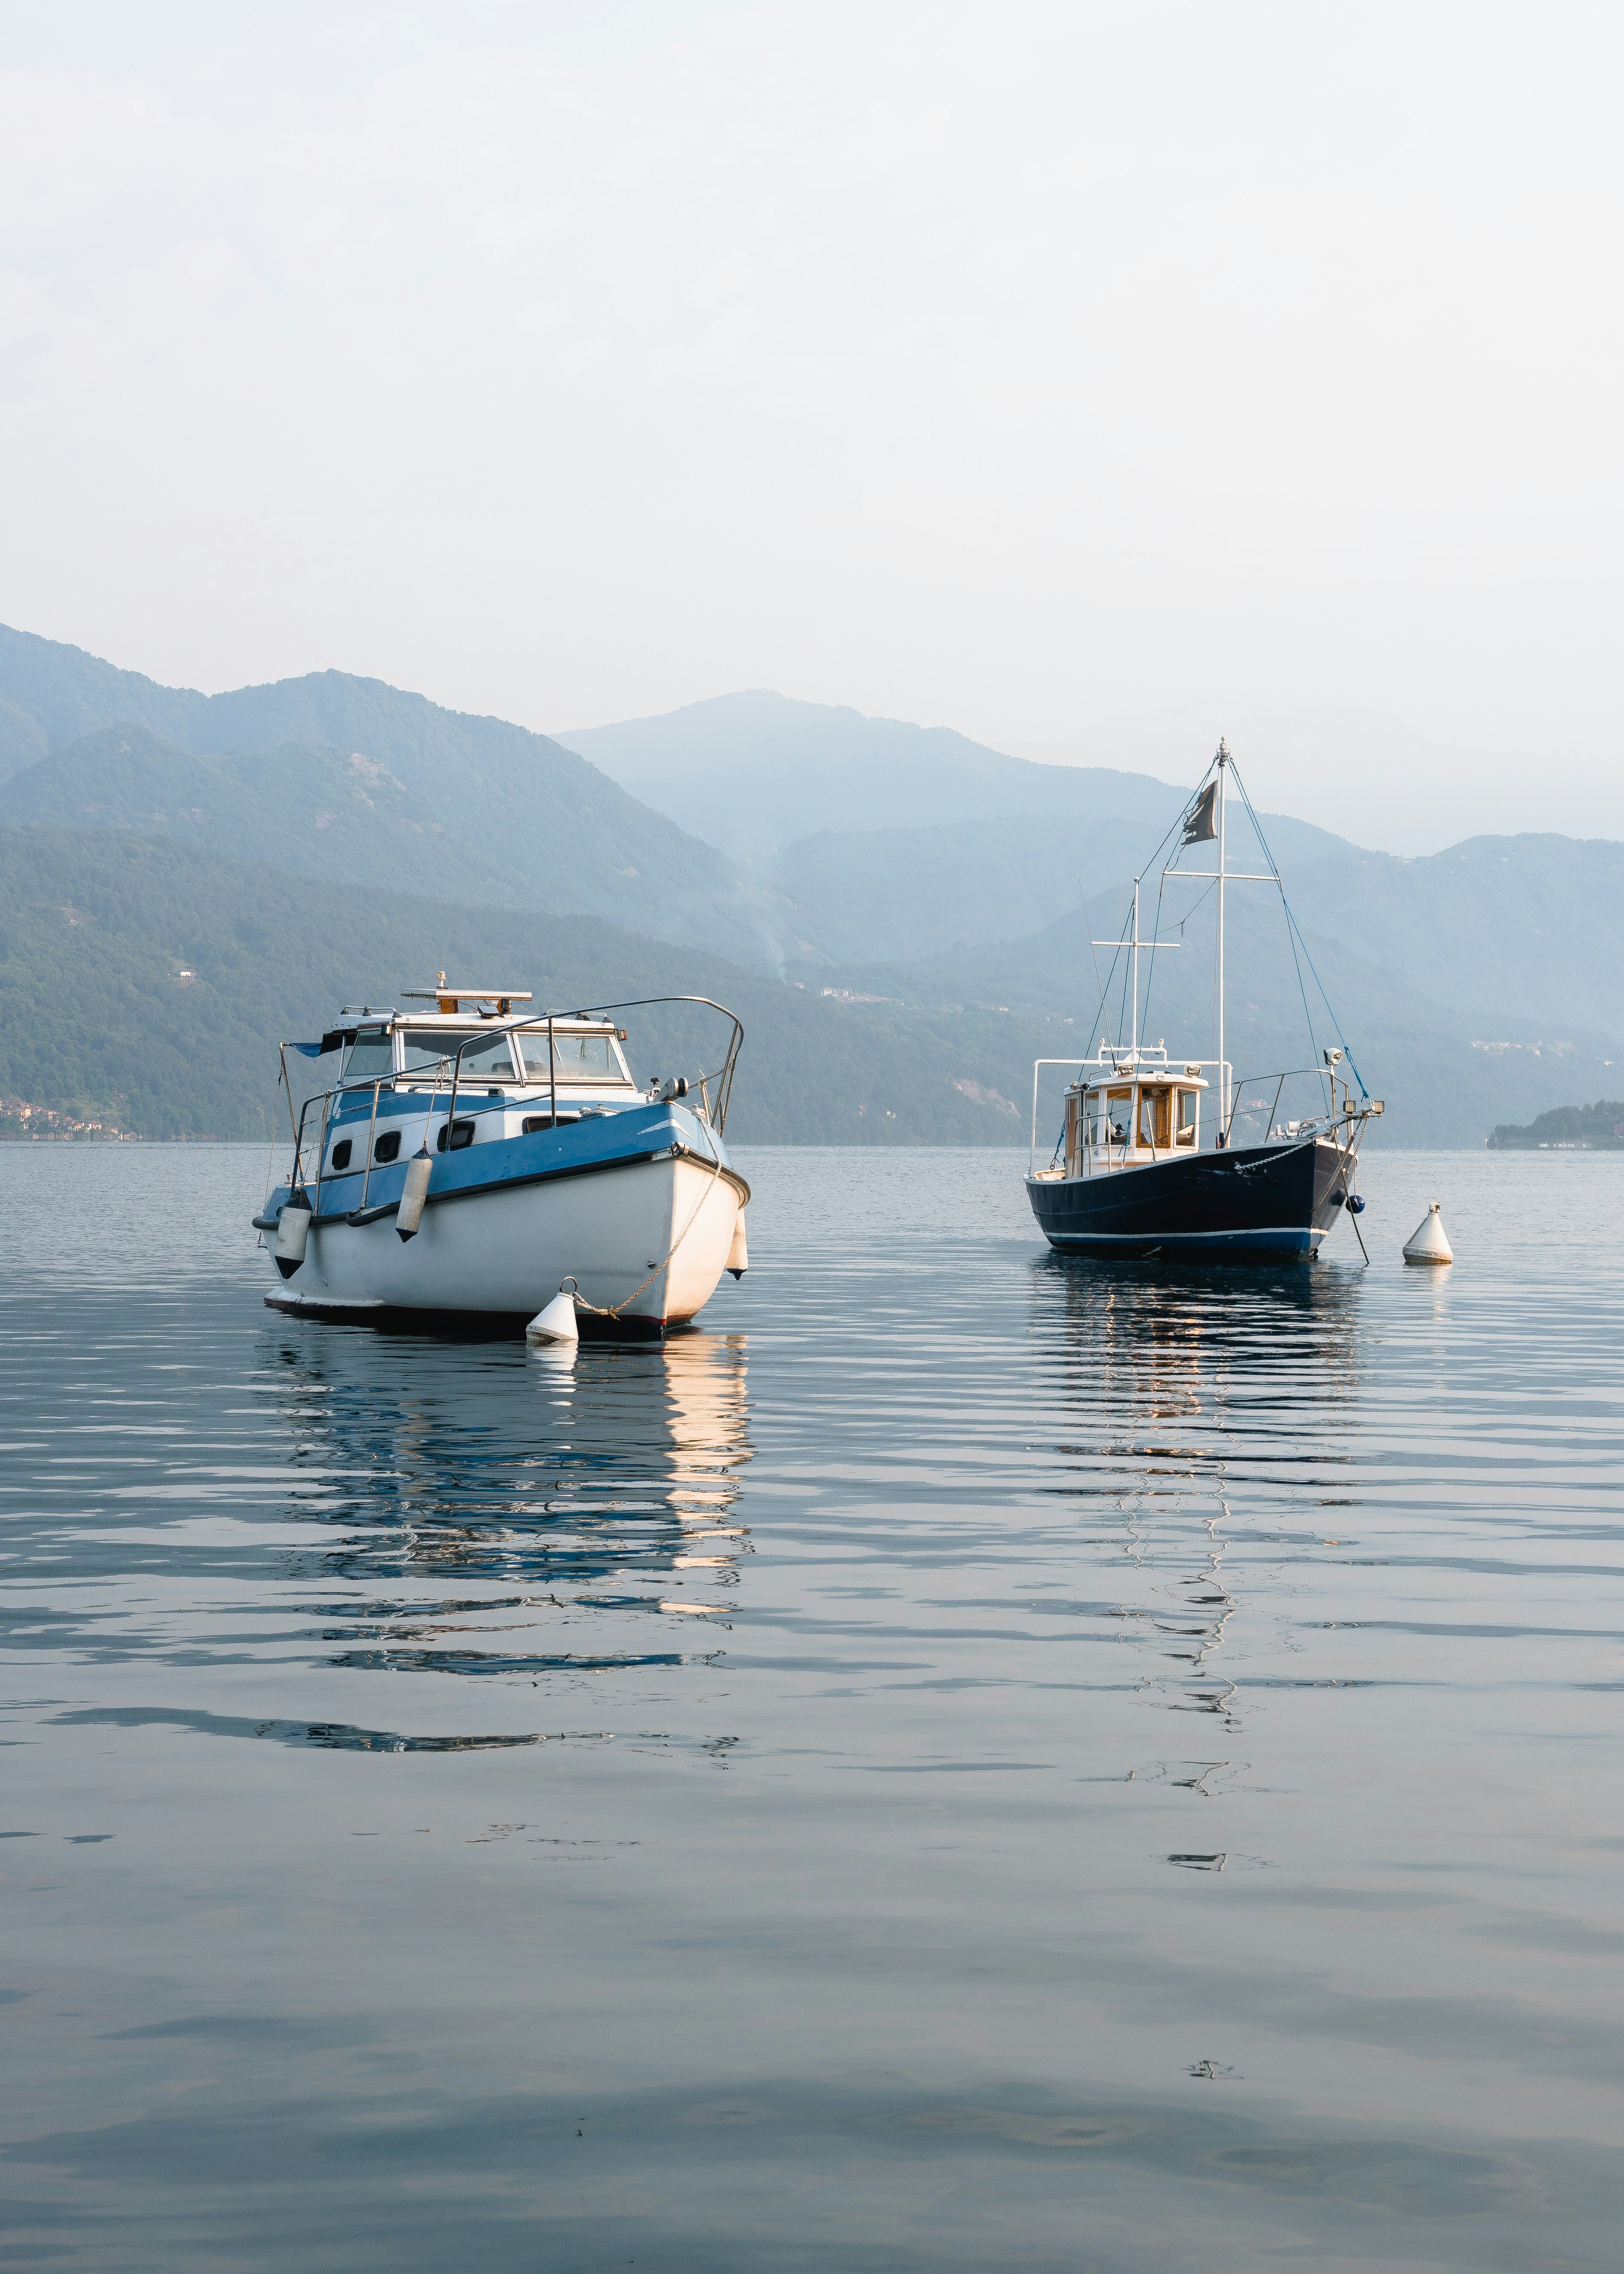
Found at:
(387, 1147)
(487, 1060)
(1188, 1107)
(454, 1135)
(1119, 1115)
(1156, 1118)
(369, 1056)
(340, 1156)
(578, 1057)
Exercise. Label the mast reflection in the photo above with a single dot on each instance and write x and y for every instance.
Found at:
(1201, 1431)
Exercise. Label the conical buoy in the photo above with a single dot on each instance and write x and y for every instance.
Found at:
(1426, 1244)
(556, 1323)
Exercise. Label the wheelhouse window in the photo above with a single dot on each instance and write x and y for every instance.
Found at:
(1118, 1116)
(369, 1056)
(1156, 1119)
(487, 1058)
(1188, 1107)
(578, 1057)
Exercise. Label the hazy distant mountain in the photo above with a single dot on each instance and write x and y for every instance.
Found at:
(901, 840)
(914, 892)
(756, 771)
(536, 821)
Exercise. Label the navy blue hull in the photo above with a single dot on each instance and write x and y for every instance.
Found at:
(1260, 1200)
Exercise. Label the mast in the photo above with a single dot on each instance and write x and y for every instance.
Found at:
(1223, 1071)
(1133, 1031)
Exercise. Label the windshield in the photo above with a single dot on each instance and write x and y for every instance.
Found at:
(485, 1058)
(369, 1056)
(580, 1058)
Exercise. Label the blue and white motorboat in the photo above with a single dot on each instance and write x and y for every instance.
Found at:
(471, 1158)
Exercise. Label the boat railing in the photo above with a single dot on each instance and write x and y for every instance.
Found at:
(300, 1176)
(1322, 1124)
(715, 1108)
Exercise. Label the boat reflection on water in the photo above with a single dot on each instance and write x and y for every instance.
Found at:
(1203, 1416)
(502, 1518)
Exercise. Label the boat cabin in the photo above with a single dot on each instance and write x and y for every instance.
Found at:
(1130, 1118)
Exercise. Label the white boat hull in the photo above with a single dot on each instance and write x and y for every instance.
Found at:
(647, 1241)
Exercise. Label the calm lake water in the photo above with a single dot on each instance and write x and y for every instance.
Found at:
(973, 1760)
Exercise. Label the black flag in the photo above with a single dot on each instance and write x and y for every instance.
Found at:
(1199, 822)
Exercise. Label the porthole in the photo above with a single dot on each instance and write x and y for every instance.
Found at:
(340, 1156)
(386, 1147)
(455, 1134)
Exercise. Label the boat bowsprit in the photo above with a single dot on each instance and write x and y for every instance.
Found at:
(1160, 1157)
(470, 1159)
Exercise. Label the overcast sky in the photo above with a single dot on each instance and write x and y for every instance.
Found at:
(1094, 378)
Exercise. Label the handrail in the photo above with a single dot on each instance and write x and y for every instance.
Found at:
(1280, 1081)
(1036, 1063)
(722, 1075)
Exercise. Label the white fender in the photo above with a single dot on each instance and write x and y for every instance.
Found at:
(408, 1215)
(738, 1253)
(1427, 1244)
(292, 1234)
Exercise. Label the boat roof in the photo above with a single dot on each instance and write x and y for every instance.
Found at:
(579, 1022)
(1157, 1077)
(386, 1020)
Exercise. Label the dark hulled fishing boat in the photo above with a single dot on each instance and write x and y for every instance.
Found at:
(1131, 1175)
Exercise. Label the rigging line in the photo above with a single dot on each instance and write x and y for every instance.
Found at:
(1189, 807)
(1176, 823)
(1325, 999)
(1098, 982)
(1127, 977)
(1155, 933)
(1292, 934)
(1296, 929)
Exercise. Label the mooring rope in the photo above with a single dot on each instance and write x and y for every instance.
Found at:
(614, 1311)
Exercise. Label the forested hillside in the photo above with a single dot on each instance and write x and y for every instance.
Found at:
(1598, 1128)
(151, 983)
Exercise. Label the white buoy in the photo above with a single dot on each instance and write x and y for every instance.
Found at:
(556, 1323)
(292, 1234)
(738, 1253)
(1426, 1244)
(408, 1215)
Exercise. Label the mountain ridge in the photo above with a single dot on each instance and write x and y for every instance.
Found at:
(583, 842)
